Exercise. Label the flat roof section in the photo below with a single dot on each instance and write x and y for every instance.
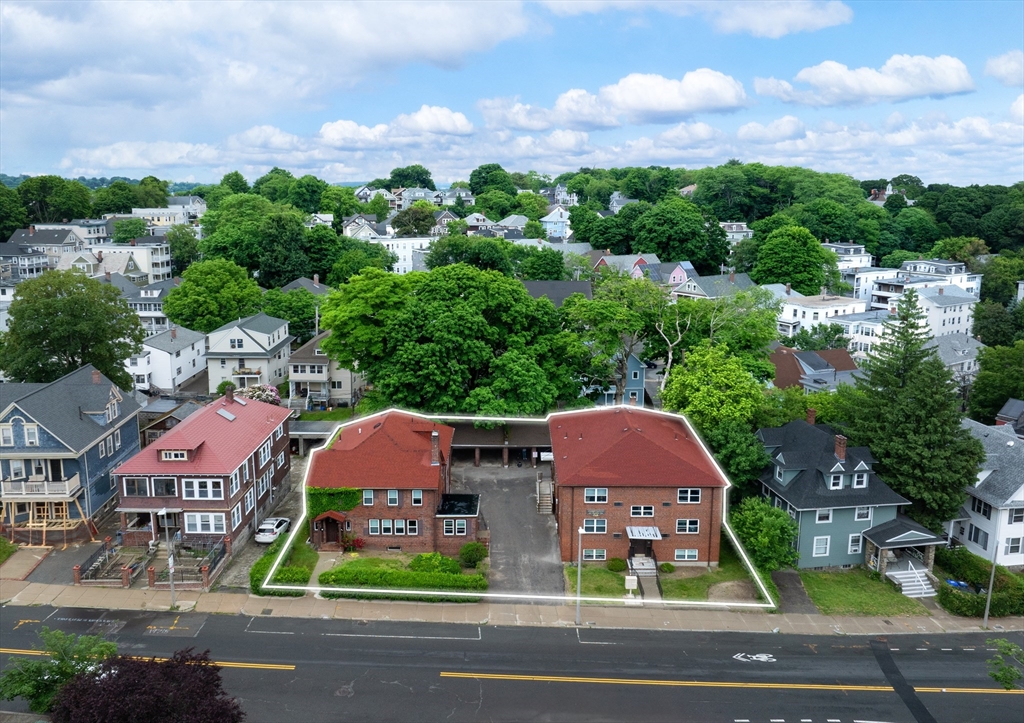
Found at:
(520, 434)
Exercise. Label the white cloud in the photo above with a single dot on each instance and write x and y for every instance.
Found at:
(649, 98)
(577, 108)
(434, 120)
(349, 134)
(510, 113)
(137, 154)
(1017, 109)
(902, 77)
(781, 129)
(1007, 68)
(765, 19)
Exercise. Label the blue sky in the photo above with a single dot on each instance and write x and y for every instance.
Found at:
(347, 91)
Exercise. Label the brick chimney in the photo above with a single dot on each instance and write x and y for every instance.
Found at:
(316, 279)
(106, 276)
(789, 289)
(941, 289)
(31, 230)
(435, 449)
(97, 378)
(132, 242)
(99, 255)
(174, 333)
(732, 277)
(840, 448)
(811, 414)
(229, 393)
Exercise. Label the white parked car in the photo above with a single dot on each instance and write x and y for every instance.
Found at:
(272, 528)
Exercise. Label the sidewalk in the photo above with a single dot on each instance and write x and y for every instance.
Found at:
(488, 613)
(24, 560)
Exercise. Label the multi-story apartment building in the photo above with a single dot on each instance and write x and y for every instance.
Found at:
(148, 303)
(403, 248)
(90, 230)
(168, 360)
(806, 312)
(58, 445)
(639, 483)
(863, 279)
(253, 350)
(863, 330)
(152, 253)
(849, 255)
(215, 474)
(317, 380)
(54, 243)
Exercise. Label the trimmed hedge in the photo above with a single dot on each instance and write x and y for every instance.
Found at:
(434, 562)
(961, 564)
(616, 564)
(408, 579)
(667, 567)
(285, 575)
(472, 554)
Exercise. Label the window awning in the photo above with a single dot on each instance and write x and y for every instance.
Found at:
(643, 533)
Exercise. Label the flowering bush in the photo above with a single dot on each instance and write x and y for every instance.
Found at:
(262, 393)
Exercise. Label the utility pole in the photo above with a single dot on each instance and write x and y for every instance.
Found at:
(170, 554)
(579, 574)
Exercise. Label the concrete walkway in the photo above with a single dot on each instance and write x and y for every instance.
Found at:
(21, 564)
(793, 597)
(491, 613)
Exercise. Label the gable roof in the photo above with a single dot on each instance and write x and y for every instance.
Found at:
(303, 283)
(629, 447)
(558, 291)
(811, 449)
(722, 285)
(43, 236)
(946, 295)
(260, 323)
(1004, 462)
(902, 532)
(515, 220)
(307, 352)
(955, 348)
(175, 339)
(219, 443)
(62, 407)
(387, 451)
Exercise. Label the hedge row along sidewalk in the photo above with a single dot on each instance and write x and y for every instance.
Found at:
(964, 566)
(426, 571)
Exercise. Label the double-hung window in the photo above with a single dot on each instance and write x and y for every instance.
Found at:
(417, 498)
(6, 435)
(367, 498)
(455, 527)
(978, 536)
(641, 511)
(236, 516)
(593, 526)
(823, 516)
(595, 495)
(1015, 515)
(821, 545)
(686, 555)
(982, 508)
(265, 453)
(373, 527)
(412, 527)
(280, 460)
(594, 554)
(32, 435)
(233, 486)
(860, 480)
(399, 527)
(250, 499)
(835, 482)
(1013, 546)
(392, 498)
(855, 544)
(203, 489)
(687, 527)
(688, 496)
(862, 514)
(385, 527)
(778, 473)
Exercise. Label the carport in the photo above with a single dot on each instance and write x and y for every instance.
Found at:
(304, 435)
(529, 436)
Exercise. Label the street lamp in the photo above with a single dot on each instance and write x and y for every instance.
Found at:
(579, 574)
(170, 553)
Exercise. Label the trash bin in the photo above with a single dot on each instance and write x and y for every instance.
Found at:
(119, 537)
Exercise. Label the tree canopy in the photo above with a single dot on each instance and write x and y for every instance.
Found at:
(211, 294)
(711, 387)
(999, 378)
(677, 230)
(792, 255)
(63, 320)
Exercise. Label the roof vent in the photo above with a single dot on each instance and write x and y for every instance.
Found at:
(226, 414)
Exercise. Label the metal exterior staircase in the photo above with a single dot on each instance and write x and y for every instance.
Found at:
(913, 582)
(544, 497)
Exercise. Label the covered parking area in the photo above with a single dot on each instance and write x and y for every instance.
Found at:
(306, 435)
(523, 441)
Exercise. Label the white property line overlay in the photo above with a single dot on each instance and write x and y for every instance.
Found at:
(754, 573)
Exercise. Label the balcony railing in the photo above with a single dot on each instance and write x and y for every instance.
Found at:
(246, 372)
(36, 487)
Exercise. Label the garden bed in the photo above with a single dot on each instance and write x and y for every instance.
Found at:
(858, 592)
(425, 572)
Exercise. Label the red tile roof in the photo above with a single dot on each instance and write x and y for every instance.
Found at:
(220, 444)
(626, 447)
(388, 451)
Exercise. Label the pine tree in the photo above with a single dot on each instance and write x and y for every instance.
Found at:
(911, 421)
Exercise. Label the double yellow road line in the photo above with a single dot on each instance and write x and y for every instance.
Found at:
(221, 663)
(718, 684)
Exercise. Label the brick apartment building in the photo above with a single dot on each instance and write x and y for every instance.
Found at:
(401, 463)
(639, 482)
(216, 472)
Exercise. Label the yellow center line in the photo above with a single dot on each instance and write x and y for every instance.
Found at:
(716, 684)
(221, 663)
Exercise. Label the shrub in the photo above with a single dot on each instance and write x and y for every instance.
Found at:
(292, 575)
(766, 532)
(667, 567)
(962, 564)
(261, 567)
(472, 553)
(408, 579)
(434, 562)
(223, 387)
(616, 564)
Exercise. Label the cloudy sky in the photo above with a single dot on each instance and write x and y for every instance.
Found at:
(348, 91)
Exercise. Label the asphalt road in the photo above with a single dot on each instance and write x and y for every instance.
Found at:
(332, 670)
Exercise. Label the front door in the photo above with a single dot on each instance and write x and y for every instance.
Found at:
(55, 470)
(331, 530)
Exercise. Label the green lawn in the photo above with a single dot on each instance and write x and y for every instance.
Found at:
(303, 555)
(598, 581)
(340, 414)
(855, 592)
(696, 588)
(372, 563)
(7, 549)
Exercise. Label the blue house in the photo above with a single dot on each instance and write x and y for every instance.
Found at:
(636, 375)
(845, 513)
(58, 443)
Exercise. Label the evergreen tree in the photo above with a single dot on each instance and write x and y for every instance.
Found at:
(910, 419)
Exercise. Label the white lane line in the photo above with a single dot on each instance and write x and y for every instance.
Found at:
(833, 720)
(778, 720)
(947, 648)
(741, 720)
(858, 720)
(805, 720)
(402, 637)
(591, 642)
(968, 648)
(893, 648)
(921, 648)
(270, 632)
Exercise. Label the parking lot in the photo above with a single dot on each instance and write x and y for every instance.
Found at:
(524, 544)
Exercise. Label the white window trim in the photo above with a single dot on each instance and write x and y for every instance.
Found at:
(683, 527)
(6, 435)
(393, 494)
(856, 512)
(193, 524)
(412, 527)
(858, 538)
(598, 526)
(642, 510)
(686, 556)
(835, 484)
(817, 517)
(595, 555)
(212, 485)
(417, 498)
(689, 493)
(236, 516)
(598, 494)
(828, 545)
(860, 480)
(367, 495)
(250, 499)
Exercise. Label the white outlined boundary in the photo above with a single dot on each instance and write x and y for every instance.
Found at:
(299, 528)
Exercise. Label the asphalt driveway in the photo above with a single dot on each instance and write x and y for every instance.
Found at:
(524, 544)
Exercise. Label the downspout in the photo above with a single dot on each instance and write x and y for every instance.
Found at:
(711, 527)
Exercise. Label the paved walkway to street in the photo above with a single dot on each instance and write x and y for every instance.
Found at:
(24, 560)
(491, 613)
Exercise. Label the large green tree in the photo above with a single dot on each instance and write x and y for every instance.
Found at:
(233, 231)
(677, 230)
(768, 533)
(274, 185)
(151, 193)
(306, 192)
(118, 197)
(13, 215)
(212, 293)
(1001, 273)
(492, 177)
(993, 324)
(341, 201)
(184, 246)
(454, 340)
(283, 255)
(235, 181)
(356, 255)
(297, 307)
(63, 320)
(739, 452)
(414, 176)
(791, 255)
(1000, 377)
(910, 419)
(50, 199)
(128, 229)
(413, 221)
(710, 386)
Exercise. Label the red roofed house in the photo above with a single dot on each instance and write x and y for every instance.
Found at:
(640, 483)
(402, 465)
(215, 473)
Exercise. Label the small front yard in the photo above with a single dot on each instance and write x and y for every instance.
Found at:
(7, 549)
(598, 581)
(426, 572)
(857, 592)
(339, 414)
(684, 585)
